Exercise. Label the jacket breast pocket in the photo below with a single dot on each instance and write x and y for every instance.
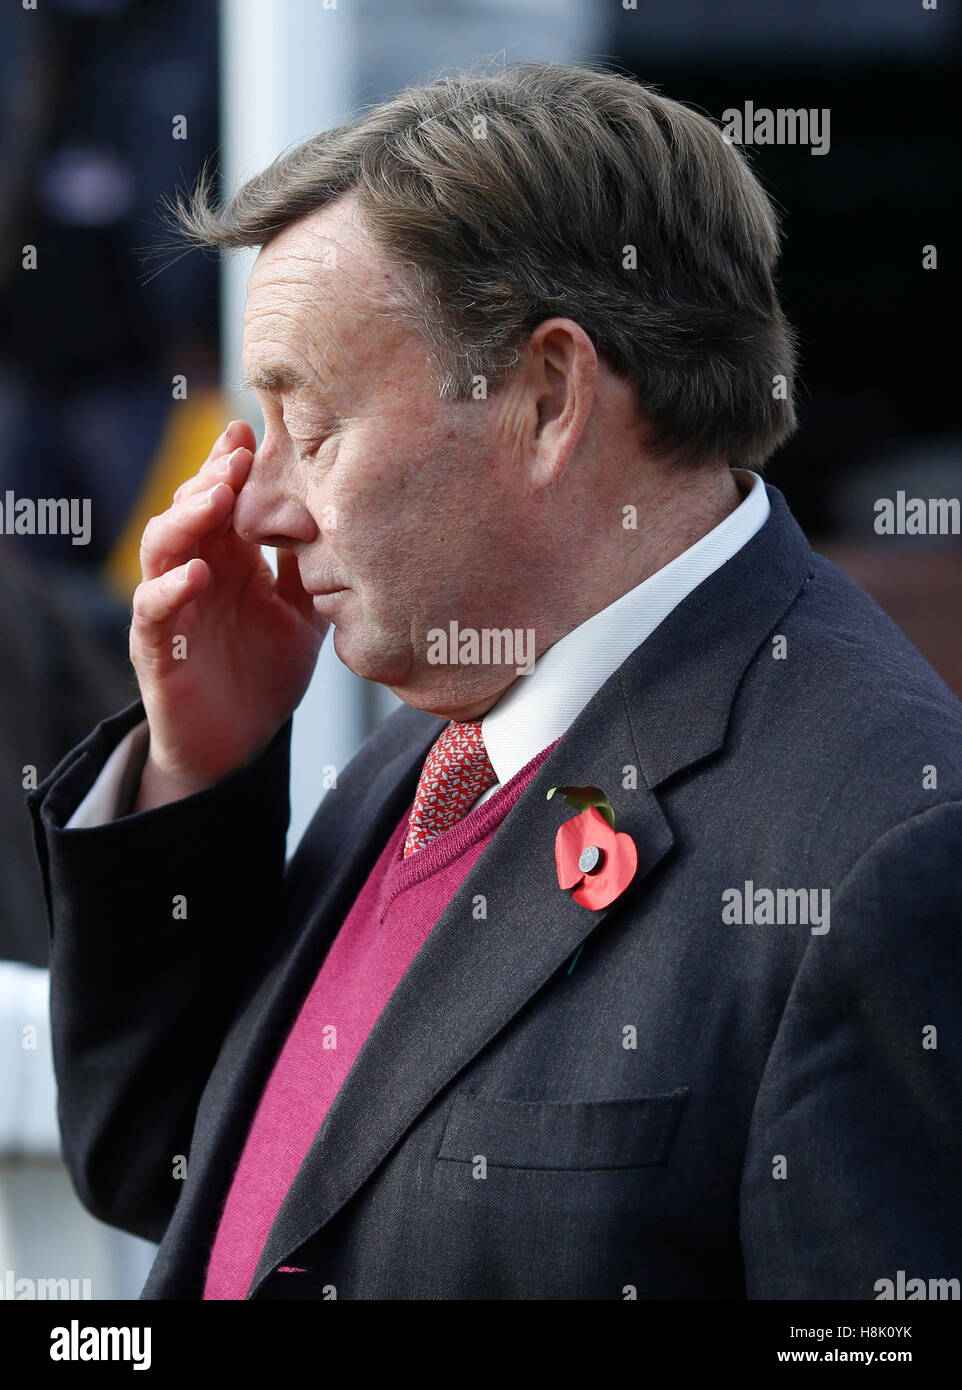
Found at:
(559, 1135)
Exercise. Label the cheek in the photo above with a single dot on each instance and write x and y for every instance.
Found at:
(391, 477)
(360, 510)
(400, 485)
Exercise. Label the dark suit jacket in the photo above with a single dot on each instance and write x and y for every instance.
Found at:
(779, 1124)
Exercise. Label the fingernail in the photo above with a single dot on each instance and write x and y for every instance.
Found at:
(232, 458)
(231, 432)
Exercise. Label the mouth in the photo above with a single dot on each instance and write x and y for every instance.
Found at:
(321, 592)
(319, 598)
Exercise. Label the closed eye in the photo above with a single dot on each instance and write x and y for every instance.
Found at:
(308, 449)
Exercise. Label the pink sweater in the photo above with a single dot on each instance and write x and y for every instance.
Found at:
(389, 922)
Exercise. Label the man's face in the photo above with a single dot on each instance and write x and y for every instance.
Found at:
(411, 510)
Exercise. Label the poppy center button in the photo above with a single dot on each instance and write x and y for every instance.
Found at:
(589, 859)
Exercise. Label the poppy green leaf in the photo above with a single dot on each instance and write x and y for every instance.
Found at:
(583, 797)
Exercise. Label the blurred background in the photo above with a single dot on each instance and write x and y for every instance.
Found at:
(112, 374)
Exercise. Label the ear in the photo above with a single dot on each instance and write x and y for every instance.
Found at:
(561, 385)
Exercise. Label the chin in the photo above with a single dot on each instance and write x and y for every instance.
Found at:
(450, 699)
(370, 661)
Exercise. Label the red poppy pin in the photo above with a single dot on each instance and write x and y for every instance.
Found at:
(592, 857)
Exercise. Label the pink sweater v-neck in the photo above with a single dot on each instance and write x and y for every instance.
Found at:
(391, 919)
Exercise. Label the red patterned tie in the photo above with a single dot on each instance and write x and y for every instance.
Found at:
(455, 773)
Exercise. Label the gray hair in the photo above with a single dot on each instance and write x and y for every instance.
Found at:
(546, 190)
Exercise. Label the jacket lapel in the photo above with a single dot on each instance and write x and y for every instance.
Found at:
(470, 978)
(664, 710)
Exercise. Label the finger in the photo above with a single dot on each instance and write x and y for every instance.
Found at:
(158, 602)
(230, 466)
(237, 433)
(172, 537)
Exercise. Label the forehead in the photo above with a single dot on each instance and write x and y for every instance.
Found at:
(312, 296)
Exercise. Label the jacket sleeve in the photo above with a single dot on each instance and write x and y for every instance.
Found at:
(153, 921)
(853, 1164)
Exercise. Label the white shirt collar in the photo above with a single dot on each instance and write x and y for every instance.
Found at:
(538, 708)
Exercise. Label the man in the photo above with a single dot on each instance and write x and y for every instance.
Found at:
(519, 355)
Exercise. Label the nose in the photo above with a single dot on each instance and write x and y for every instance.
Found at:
(268, 510)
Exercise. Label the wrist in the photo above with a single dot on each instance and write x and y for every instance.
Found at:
(158, 787)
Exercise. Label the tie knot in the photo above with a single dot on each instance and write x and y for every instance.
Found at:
(456, 771)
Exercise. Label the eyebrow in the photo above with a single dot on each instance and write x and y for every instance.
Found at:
(270, 379)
